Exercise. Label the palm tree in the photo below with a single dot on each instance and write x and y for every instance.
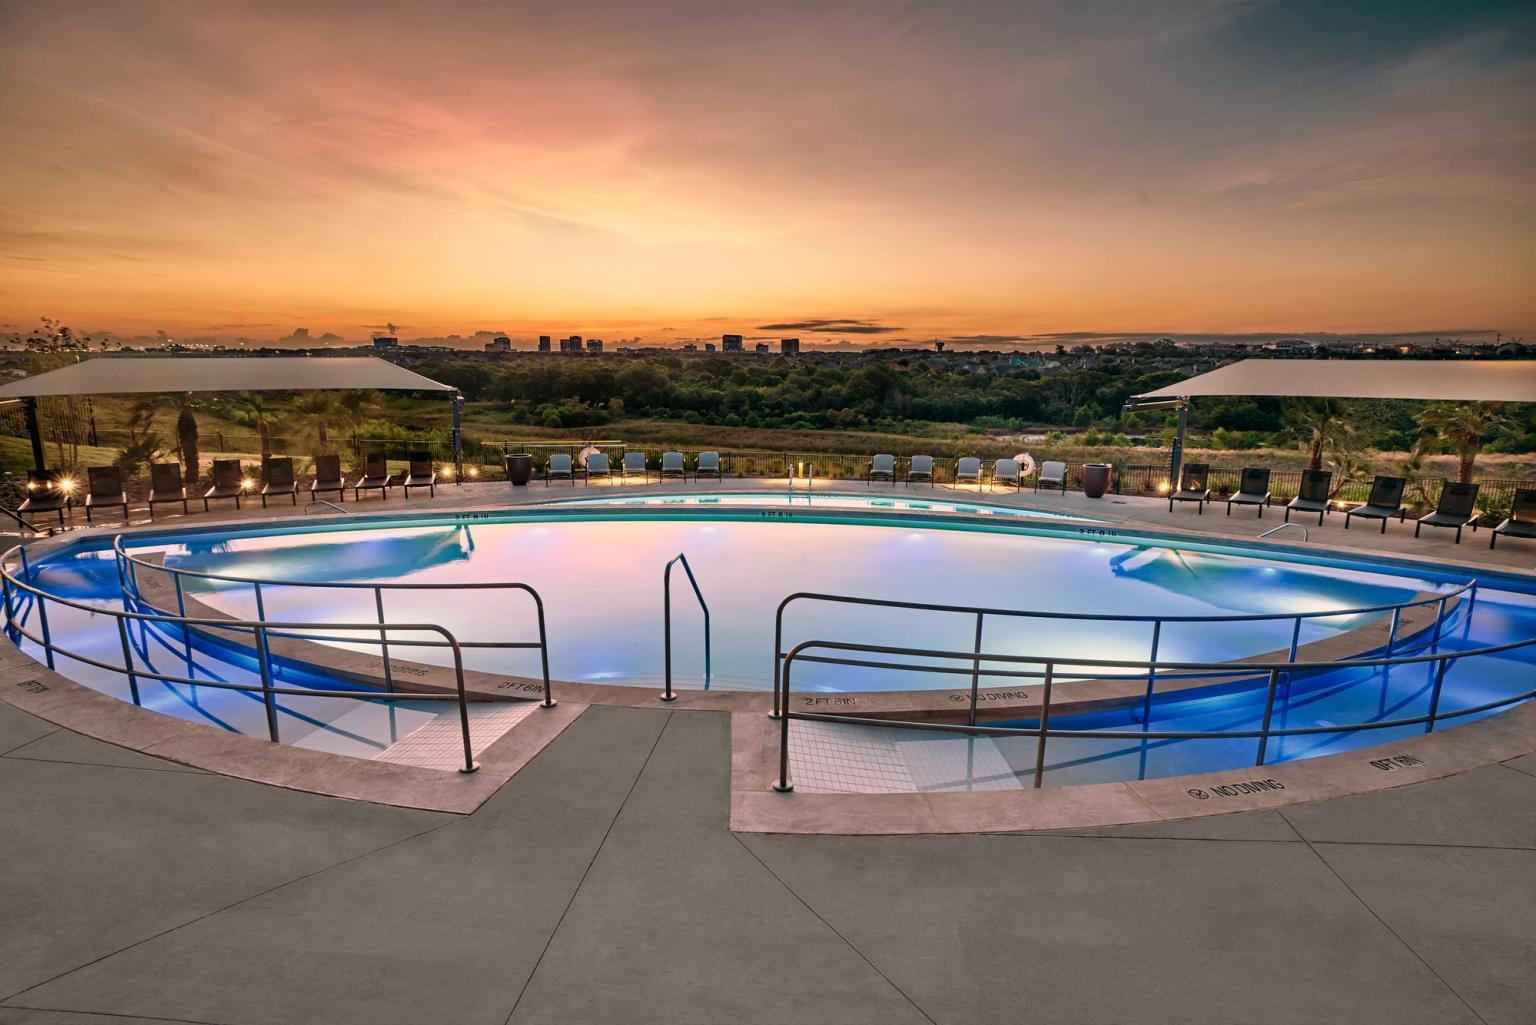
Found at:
(1465, 427)
(258, 407)
(316, 410)
(186, 438)
(1319, 422)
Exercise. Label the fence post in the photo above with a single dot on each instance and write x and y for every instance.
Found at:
(1269, 712)
(1045, 725)
(133, 680)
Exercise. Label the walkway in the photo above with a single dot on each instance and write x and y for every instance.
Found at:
(602, 885)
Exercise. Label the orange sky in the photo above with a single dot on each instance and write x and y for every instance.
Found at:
(671, 171)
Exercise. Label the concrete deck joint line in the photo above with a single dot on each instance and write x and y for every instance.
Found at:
(1372, 912)
(588, 870)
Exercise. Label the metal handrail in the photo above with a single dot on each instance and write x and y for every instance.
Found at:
(320, 501)
(666, 593)
(1298, 526)
(1044, 731)
(981, 612)
(260, 628)
(34, 528)
(130, 583)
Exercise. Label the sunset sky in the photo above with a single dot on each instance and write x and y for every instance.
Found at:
(870, 172)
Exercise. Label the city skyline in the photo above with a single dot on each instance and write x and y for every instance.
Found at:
(984, 175)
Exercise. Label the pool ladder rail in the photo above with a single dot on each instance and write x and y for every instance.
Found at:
(1283, 526)
(666, 612)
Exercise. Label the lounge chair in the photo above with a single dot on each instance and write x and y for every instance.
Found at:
(673, 465)
(1252, 489)
(228, 482)
(165, 486)
(597, 466)
(920, 468)
(280, 481)
(968, 469)
(1456, 509)
(1195, 486)
(1005, 472)
(104, 490)
(882, 467)
(420, 474)
(709, 463)
(328, 478)
(1313, 495)
(1052, 474)
(634, 462)
(1384, 502)
(44, 495)
(559, 465)
(1522, 517)
(376, 477)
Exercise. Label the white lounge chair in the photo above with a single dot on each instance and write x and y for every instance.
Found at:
(1005, 472)
(673, 465)
(559, 465)
(634, 462)
(881, 467)
(920, 468)
(709, 465)
(1053, 474)
(597, 466)
(968, 469)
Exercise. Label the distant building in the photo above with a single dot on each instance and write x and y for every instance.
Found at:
(690, 347)
(594, 345)
(938, 346)
(730, 343)
(501, 343)
(709, 346)
(571, 344)
(762, 347)
(789, 346)
(543, 343)
(386, 342)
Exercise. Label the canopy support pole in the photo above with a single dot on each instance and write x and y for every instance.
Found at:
(1177, 461)
(457, 398)
(29, 411)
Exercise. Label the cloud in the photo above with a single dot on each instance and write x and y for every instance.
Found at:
(838, 326)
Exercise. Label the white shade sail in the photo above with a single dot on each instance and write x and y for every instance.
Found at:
(129, 375)
(1432, 379)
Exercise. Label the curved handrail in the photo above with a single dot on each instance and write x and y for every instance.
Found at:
(666, 596)
(981, 612)
(261, 630)
(1044, 731)
(125, 558)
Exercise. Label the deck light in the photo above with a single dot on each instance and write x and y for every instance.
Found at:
(68, 485)
(1162, 487)
(472, 472)
(446, 471)
(247, 484)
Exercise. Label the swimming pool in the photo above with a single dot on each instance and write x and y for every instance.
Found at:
(597, 566)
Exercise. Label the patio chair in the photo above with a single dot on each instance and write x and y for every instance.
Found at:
(920, 468)
(104, 490)
(673, 465)
(376, 477)
(44, 494)
(1384, 502)
(1252, 489)
(1005, 472)
(882, 467)
(420, 474)
(328, 477)
(228, 482)
(1052, 474)
(968, 469)
(1312, 496)
(634, 462)
(280, 481)
(1522, 517)
(559, 465)
(1194, 486)
(597, 466)
(165, 486)
(1456, 509)
(709, 463)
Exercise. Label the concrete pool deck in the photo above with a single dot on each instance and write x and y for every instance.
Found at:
(602, 883)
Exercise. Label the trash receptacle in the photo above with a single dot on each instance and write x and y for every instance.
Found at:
(519, 468)
(1096, 479)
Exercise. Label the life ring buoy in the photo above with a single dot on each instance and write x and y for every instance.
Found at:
(1026, 464)
(587, 453)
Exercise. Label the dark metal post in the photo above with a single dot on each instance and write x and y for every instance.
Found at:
(976, 669)
(458, 437)
(1176, 461)
(133, 681)
(1434, 641)
(42, 619)
(389, 673)
(538, 604)
(1397, 615)
(181, 610)
(778, 657)
(1269, 712)
(666, 620)
(784, 786)
(267, 697)
(34, 432)
(1434, 694)
(1045, 724)
(458, 672)
(1157, 633)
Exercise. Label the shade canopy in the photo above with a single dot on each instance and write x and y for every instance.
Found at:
(1431, 379)
(129, 375)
